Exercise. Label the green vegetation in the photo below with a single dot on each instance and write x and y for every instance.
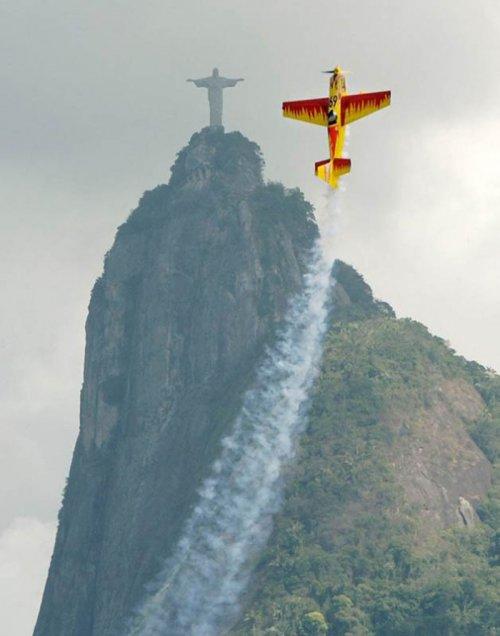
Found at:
(313, 624)
(348, 556)
(273, 204)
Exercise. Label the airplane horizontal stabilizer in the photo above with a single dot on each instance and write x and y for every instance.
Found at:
(330, 171)
(312, 111)
(341, 166)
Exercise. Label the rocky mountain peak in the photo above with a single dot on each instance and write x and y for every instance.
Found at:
(194, 287)
(216, 159)
(354, 297)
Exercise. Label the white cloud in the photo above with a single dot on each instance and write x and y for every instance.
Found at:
(25, 550)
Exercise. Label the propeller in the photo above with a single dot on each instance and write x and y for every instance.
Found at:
(336, 70)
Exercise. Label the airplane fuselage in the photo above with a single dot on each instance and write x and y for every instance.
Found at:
(336, 131)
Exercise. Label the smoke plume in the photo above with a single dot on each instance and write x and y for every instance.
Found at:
(199, 587)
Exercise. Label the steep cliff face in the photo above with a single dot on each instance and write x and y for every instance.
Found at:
(194, 286)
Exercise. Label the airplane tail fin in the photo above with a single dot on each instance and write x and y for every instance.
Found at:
(330, 171)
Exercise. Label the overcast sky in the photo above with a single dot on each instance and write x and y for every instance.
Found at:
(95, 107)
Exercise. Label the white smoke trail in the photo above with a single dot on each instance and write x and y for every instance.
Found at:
(199, 588)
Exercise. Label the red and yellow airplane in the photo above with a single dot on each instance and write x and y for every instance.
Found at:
(335, 112)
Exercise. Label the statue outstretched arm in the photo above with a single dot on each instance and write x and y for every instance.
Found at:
(231, 82)
(202, 83)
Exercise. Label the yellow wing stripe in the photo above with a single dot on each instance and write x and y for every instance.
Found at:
(312, 111)
(355, 107)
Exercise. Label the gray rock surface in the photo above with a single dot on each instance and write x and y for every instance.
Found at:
(196, 282)
(439, 466)
(465, 512)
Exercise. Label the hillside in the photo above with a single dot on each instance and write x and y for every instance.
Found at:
(390, 525)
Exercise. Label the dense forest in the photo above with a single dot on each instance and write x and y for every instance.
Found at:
(351, 555)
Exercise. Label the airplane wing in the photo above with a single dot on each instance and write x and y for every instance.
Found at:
(353, 107)
(312, 111)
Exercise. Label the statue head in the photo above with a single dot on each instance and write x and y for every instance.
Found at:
(215, 72)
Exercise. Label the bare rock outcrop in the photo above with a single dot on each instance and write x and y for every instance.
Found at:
(193, 288)
(440, 468)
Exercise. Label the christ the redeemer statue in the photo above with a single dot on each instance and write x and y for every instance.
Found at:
(215, 84)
